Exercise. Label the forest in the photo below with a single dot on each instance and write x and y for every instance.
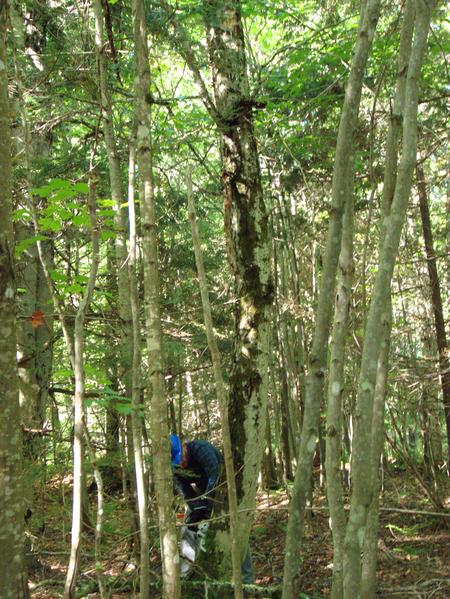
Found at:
(224, 283)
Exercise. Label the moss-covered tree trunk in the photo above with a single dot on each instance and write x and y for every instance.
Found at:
(12, 584)
(249, 250)
(248, 244)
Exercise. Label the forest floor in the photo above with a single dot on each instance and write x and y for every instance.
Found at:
(414, 548)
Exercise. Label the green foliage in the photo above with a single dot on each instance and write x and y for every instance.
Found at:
(298, 60)
(24, 244)
(60, 211)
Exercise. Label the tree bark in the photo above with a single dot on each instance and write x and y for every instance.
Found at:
(249, 248)
(117, 195)
(34, 344)
(159, 417)
(341, 189)
(236, 556)
(335, 392)
(247, 235)
(12, 583)
(370, 552)
(439, 324)
(363, 489)
(118, 198)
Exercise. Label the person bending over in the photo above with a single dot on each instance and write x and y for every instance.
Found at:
(197, 466)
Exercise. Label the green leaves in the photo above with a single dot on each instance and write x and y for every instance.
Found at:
(52, 186)
(110, 399)
(59, 210)
(23, 245)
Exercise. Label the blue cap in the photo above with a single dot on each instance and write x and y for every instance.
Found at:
(177, 449)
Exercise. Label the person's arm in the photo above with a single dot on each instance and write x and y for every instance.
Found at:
(184, 488)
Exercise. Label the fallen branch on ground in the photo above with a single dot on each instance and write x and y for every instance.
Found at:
(417, 590)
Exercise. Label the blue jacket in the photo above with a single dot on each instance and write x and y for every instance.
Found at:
(202, 469)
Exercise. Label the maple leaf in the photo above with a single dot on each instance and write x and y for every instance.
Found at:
(37, 319)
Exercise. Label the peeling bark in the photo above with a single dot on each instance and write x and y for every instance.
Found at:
(249, 248)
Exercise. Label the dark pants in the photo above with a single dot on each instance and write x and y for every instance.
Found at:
(198, 510)
(248, 575)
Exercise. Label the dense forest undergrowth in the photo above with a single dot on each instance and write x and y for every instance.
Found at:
(224, 233)
(414, 548)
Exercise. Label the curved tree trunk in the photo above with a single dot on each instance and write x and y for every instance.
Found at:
(341, 190)
(363, 486)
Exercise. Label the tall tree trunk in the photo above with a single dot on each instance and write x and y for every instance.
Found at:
(363, 487)
(335, 392)
(78, 444)
(370, 552)
(249, 249)
(12, 584)
(159, 417)
(247, 234)
(439, 325)
(221, 395)
(34, 344)
(34, 349)
(123, 285)
(341, 189)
